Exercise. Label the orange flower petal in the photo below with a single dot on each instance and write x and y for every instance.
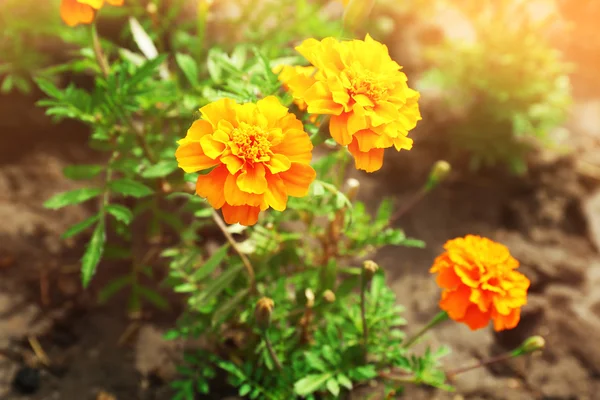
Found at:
(276, 195)
(338, 127)
(278, 163)
(115, 2)
(298, 178)
(191, 158)
(455, 302)
(252, 179)
(475, 318)
(236, 197)
(296, 146)
(243, 215)
(319, 100)
(369, 161)
(210, 186)
(74, 13)
(212, 147)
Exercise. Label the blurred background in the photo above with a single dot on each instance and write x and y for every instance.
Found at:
(510, 96)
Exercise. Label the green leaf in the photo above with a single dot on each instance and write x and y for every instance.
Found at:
(72, 197)
(310, 384)
(223, 311)
(189, 68)
(185, 288)
(216, 286)
(93, 254)
(160, 169)
(153, 297)
(245, 389)
(333, 387)
(80, 227)
(113, 287)
(344, 381)
(129, 187)
(78, 172)
(142, 39)
(211, 264)
(384, 213)
(121, 213)
(315, 362)
(49, 88)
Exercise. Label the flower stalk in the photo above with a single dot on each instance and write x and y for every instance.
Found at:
(440, 317)
(249, 269)
(530, 345)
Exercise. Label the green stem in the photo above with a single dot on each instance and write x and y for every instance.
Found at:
(440, 317)
(271, 351)
(363, 314)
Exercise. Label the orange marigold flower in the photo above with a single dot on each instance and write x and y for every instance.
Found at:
(480, 282)
(260, 152)
(362, 88)
(75, 12)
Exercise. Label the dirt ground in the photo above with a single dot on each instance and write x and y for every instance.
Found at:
(550, 220)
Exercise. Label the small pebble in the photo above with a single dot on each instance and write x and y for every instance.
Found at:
(27, 380)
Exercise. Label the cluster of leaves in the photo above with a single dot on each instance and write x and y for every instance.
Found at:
(509, 83)
(141, 103)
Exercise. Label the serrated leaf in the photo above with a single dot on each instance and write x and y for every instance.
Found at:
(160, 169)
(93, 254)
(113, 287)
(80, 227)
(310, 384)
(211, 264)
(121, 213)
(129, 187)
(78, 172)
(188, 67)
(333, 386)
(71, 197)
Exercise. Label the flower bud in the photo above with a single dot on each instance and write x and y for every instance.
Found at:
(310, 298)
(439, 172)
(353, 186)
(263, 311)
(151, 8)
(530, 345)
(370, 267)
(329, 296)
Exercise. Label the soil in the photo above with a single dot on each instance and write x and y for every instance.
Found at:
(549, 219)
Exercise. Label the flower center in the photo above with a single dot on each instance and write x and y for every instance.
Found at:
(250, 143)
(367, 84)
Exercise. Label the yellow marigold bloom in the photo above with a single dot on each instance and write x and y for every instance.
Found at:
(362, 88)
(260, 152)
(480, 282)
(75, 12)
(286, 73)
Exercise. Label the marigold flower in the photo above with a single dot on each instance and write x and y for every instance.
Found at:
(75, 12)
(362, 88)
(480, 282)
(286, 73)
(260, 154)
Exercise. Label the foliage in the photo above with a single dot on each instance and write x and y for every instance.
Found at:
(510, 86)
